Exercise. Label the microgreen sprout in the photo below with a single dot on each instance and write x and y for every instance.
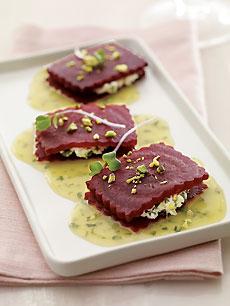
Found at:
(110, 158)
(100, 55)
(44, 121)
(95, 168)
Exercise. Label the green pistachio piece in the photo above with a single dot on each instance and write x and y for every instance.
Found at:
(43, 122)
(100, 56)
(161, 169)
(110, 48)
(70, 64)
(121, 68)
(80, 77)
(110, 134)
(88, 129)
(115, 55)
(72, 127)
(110, 158)
(61, 122)
(87, 68)
(95, 168)
(133, 191)
(90, 60)
(87, 121)
(96, 136)
(142, 169)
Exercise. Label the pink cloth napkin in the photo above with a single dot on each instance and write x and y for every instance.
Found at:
(21, 262)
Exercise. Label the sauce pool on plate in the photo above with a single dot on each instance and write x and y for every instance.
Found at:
(68, 180)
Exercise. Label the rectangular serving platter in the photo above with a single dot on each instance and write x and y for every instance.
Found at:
(48, 213)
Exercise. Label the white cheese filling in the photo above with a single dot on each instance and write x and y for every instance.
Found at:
(169, 205)
(114, 86)
(80, 152)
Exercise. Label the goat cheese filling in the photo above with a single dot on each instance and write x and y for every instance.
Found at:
(80, 152)
(169, 205)
(114, 86)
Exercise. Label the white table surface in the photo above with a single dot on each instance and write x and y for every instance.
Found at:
(216, 69)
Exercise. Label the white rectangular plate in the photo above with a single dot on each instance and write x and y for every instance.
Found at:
(48, 213)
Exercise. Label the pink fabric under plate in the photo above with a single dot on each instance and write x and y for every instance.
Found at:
(21, 262)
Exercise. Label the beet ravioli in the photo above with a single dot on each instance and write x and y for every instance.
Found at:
(73, 134)
(151, 183)
(92, 73)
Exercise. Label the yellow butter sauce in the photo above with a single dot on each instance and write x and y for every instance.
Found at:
(88, 223)
(68, 180)
(43, 98)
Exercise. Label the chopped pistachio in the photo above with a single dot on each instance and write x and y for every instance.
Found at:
(98, 121)
(96, 136)
(142, 158)
(88, 129)
(72, 127)
(133, 191)
(115, 55)
(61, 121)
(161, 169)
(155, 162)
(80, 77)
(131, 168)
(87, 68)
(70, 64)
(90, 60)
(104, 177)
(129, 160)
(110, 134)
(164, 182)
(142, 169)
(121, 68)
(124, 155)
(129, 153)
(86, 121)
(101, 105)
(65, 118)
(131, 179)
(155, 177)
(112, 178)
(110, 48)
(127, 167)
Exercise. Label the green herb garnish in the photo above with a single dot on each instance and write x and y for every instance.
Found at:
(100, 55)
(43, 122)
(177, 229)
(95, 168)
(116, 237)
(110, 158)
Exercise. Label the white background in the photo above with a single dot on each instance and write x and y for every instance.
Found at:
(216, 69)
